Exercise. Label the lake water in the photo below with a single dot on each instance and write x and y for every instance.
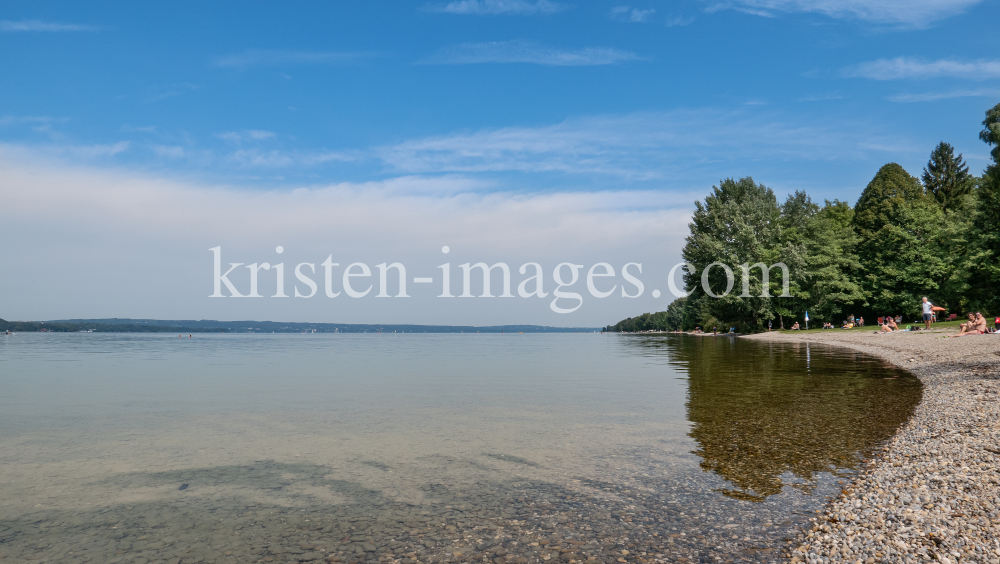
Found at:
(410, 448)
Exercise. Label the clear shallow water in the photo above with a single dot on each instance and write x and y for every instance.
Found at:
(420, 448)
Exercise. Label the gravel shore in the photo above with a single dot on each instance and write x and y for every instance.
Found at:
(932, 493)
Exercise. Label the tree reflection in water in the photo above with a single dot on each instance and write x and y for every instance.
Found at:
(762, 413)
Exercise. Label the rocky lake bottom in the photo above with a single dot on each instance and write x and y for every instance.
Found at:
(659, 450)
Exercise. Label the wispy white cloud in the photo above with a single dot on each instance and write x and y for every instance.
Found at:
(934, 96)
(276, 158)
(904, 67)
(29, 120)
(255, 157)
(639, 146)
(675, 21)
(903, 13)
(266, 57)
(521, 51)
(630, 14)
(138, 129)
(821, 98)
(38, 25)
(245, 135)
(38, 124)
(495, 7)
(94, 151)
(632, 147)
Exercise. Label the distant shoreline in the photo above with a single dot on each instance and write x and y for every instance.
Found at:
(118, 325)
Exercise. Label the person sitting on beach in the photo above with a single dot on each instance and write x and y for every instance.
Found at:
(976, 326)
(861, 322)
(969, 324)
(889, 326)
(796, 326)
(848, 324)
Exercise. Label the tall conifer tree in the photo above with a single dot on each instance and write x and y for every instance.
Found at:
(946, 177)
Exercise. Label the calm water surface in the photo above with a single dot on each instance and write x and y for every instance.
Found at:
(426, 448)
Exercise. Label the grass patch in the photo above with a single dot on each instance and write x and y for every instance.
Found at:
(952, 325)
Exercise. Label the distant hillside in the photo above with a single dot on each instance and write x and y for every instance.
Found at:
(75, 326)
(211, 326)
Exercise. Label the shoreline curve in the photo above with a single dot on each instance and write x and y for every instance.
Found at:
(932, 493)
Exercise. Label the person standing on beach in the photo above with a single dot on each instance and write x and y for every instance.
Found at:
(928, 309)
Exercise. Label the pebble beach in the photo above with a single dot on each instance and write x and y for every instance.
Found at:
(931, 493)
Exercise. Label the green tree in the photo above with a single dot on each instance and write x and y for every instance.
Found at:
(899, 231)
(738, 224)
(675, 314)
(946, 177)
(797, 214)
(835, 271)
(885, 200)
(984, 255)
(991, 131)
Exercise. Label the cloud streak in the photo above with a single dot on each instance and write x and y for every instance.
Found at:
(640, 146)
(274, 158)
(31, 120)
(821, 98)
(245, 135)
(934, 96)
(903, 13)
(521, 51)
(171, 92)
(904, 67)
(38, 25)
(95, 151)
(497, 7)
(266, 57)
(677, 21)
(630, 14)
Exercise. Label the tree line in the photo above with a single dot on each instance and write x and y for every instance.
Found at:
(63, 327)
(905, 238)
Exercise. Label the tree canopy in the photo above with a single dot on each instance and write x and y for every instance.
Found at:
(991, 131)
(902, 240)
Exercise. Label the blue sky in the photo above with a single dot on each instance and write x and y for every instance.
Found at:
(487, 101)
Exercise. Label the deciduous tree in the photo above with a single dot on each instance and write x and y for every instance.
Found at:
(737, 224)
